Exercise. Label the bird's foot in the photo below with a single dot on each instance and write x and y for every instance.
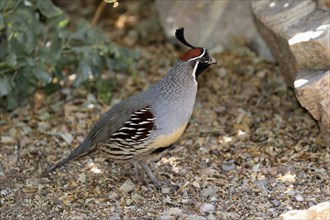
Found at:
(154, 180)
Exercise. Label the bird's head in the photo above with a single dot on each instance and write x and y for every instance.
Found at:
(197, 57)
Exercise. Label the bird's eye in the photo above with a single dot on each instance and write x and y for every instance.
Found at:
(203, 60)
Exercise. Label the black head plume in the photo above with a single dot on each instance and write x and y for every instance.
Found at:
(179, 34)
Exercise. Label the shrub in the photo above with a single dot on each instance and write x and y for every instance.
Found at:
(37, 50)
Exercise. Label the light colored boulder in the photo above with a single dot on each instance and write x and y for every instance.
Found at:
(320, 211)
(313, 93)
(298, 34)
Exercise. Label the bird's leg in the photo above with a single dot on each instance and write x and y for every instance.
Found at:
(153, 178)
(139, 172)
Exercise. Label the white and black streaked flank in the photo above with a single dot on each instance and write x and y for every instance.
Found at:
(146, 124)
(129, 141)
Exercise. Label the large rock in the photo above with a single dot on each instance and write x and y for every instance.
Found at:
(317, 212)
(211, 24)
(298, 34)
(313, 92)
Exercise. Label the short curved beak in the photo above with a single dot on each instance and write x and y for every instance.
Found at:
(212, 60)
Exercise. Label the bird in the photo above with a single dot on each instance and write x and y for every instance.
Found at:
(146, 124)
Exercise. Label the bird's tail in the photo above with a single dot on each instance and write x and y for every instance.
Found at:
(83, 148)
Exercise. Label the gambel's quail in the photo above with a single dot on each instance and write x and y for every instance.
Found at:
(149, 122)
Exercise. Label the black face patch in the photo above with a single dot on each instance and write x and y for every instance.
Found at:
(200, 68)
(203, 63)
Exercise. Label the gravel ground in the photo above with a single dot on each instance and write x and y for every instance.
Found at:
(250, 151)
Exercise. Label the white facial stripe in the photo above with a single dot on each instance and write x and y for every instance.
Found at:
(194, 71)
(198, 56)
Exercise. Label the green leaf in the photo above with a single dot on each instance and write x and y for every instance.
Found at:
(5, 87)
(83, 72)
(2, 22)
(12, 60)
(9, 5)
(47, 8)
(79, 35)
(41, 75)
(50, 88)
(103, 88)
(63, 23)
(110, 63)
(21, 37)
(30, 61)
(17, 48)
(12, 101)
(25, 82)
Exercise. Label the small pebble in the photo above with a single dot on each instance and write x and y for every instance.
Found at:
(82, 178)
(7, 140)
(291, 192)
(144, 188)
(220, 109)
(262, 184)
(57, 201)
(222, 72)
(128, 202)
(206, 208)
(273, 171)
(211, 217)
(88, 200)
(67, 137)
(276, 203)
(112, 195)
(301, 175)
(165, 190)
(311, 203)
(44, 116)
(132, 208)
(196, 217)
(196, 184)
(114, 216)
(261, 74)
(299, 198)
(137, 197)
(166, 217)
(185, 194)
(326, 190)
(228, 165)
(127, 186)
(173, 211)
(209, 191)
(213, 199)
(232, 189)
(4, 192)
(256, 167)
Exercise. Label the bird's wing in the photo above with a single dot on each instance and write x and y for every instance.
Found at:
(107, 126)
(123, 115)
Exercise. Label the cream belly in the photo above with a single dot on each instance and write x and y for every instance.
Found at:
(167, 140)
